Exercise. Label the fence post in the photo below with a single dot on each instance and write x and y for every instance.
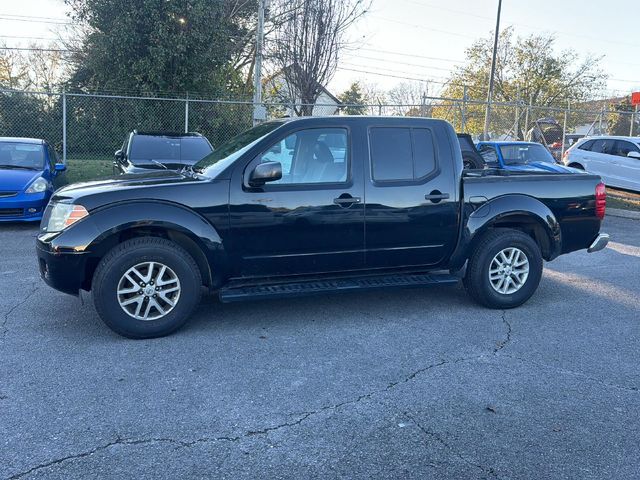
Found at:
(64, 127)
(463, 126)
(186, 114)
(526, 118)
(564, 128)
(633, 120)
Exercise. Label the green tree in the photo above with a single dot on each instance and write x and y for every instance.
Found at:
(528, 69)
(149, 46)
(354, 100)
(619, 118)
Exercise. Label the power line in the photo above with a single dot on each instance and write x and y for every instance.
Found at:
(402, 77)
(34, 20)
(422, 27)
(394, 71)
(31, 49)
(404, 54)
(401, 63)
(459, 12)
(531, 27)
(28, 38)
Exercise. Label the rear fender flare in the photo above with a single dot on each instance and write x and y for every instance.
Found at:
(510, 211)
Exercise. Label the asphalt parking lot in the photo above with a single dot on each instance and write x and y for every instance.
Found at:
(399, 384)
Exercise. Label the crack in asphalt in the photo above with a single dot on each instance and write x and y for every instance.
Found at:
(437, 437)
(503, 343)
(118, 441)
(250, 433)
(3, 326)
(304, 416)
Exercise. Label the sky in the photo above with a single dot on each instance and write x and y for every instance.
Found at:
(424, 39)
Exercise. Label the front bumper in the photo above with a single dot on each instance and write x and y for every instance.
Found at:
(23, 207)
(63, 271)
(599, 243)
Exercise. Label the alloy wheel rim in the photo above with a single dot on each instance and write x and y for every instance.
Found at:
(508, 271)
(148, 291)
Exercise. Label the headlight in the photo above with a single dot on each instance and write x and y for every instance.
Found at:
(39, 185)
(64, 215)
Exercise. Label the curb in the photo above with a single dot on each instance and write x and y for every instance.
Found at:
(620, 213)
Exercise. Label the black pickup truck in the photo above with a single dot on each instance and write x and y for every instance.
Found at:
(313, 206)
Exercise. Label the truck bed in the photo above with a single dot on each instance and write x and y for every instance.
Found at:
(569, 196)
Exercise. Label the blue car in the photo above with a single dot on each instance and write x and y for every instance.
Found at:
(521, 157)
(29, 173)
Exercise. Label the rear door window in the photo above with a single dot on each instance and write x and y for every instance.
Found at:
(391, 155)
(623, 148)
(401, 154)
(605, 146)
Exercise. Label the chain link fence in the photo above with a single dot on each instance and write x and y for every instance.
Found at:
(90, 127)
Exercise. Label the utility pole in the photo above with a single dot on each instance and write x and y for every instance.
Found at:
(487, 116)
(259, 111)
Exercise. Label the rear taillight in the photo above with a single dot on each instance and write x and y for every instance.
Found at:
(565, 155)
(601, 200)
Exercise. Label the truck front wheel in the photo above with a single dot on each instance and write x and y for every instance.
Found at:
(504, 269)
(146, 287)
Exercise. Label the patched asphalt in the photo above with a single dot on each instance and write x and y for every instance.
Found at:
(395, 384)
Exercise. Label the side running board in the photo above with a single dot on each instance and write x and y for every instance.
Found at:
(316, 287)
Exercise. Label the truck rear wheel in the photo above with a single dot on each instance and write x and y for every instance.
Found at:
(504, 270)
(146, 287)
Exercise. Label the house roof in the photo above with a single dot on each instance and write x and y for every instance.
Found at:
(323, 89)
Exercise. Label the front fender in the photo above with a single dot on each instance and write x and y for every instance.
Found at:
(509, 211)
(97, 233)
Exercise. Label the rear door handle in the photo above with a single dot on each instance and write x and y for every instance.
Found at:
(437, 196)
(346, 200)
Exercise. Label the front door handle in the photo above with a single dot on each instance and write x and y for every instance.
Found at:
(436, 196)
(346, 200)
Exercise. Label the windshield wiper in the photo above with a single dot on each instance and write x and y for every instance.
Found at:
(17, 166)
(160, 163)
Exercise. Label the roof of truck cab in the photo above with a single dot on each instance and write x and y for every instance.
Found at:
(356, 119)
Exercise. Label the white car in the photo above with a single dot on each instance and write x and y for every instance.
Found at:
(615, 159)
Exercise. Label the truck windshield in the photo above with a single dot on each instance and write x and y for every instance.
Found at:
(524, 154)
(28, 156)
(228, 152)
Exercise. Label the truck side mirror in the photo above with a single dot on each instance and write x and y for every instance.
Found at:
(635, 155)
(265, 172)
(119, 155)
(60, 167)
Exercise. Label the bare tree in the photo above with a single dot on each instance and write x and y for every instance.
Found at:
(306, 45)
(14, 70)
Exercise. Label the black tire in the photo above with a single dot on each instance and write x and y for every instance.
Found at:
(476, 280)
(136, 251)
(469, 162)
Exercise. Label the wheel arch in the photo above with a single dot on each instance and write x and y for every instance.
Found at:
(517, 212)
(118, 223)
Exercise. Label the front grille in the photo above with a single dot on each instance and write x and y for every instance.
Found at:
(11, 212)
(5, 194)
